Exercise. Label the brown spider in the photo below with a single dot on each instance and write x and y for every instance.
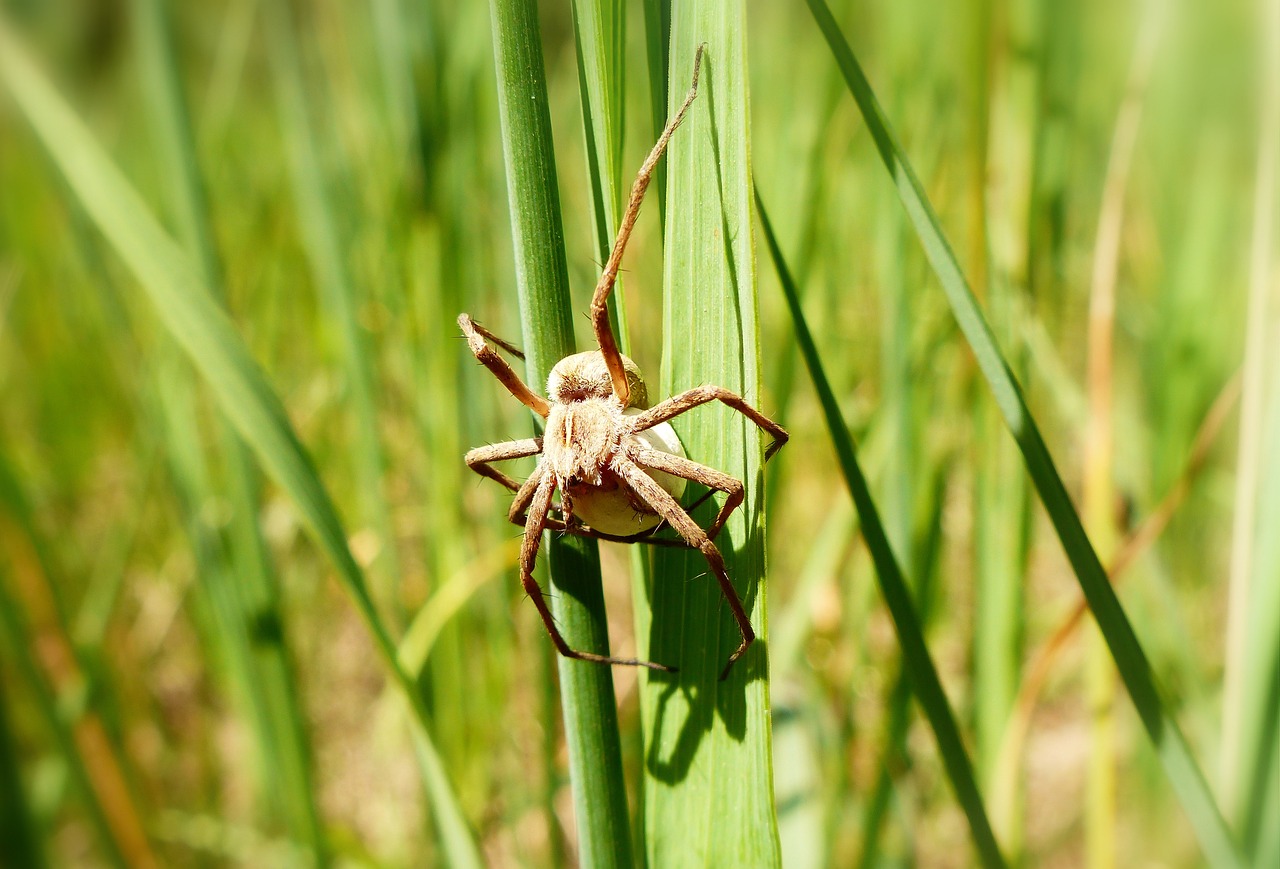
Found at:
(615, 459)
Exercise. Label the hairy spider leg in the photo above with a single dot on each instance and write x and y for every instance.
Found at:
(504, 344)
(479, 461)
(660, 500)
(534, 526)
(678, 466)
(499, 368)
(518, 515)
(678, 404)
(599, 308)
(480, 458)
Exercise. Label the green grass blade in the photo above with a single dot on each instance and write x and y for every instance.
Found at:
(657, 44)
(18, 645)
(285, 770)
(1258, 776)
(916, 659)
(708, 784)
(1184, 773)
(178, 295)
(600, 32)
(17, 830)
(894, 746)
(327, 254)
(1252, 579)
(117, 825)
(587, 699)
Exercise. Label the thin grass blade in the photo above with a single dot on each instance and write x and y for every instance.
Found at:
(253, 590)
(916, 660)
(326, 249)
(1171, 746)
(577, 596)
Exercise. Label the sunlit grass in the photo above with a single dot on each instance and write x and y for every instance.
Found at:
(236, 533)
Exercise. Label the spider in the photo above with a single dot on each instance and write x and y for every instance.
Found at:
(614, 458)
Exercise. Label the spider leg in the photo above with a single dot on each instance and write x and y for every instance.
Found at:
(678, 466)
(519, 515)
(537, 521)
(667, 506)
(678, 404)
(505, 345)
(599, 310)
(498, 366)
(479, 459)
(642, 537)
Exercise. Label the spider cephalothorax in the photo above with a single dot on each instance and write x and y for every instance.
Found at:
(615, 460)
(588, 430)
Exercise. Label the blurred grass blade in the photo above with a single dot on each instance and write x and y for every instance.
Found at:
(577, 597)
(202, 329)
(894, 747)
(17, 830)
(18, 644)
(708, 784)
(1248, 581)
(327, 254)
(1171, 746)
(897, 595)
(252, 617)
(1258, 777)
(61, 677)
(36, 643)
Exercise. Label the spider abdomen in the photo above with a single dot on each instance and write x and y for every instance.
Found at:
(579, 446)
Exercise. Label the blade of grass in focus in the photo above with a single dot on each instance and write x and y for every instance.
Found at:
(178, 295)
(577, 597)
(1171, 746)
(599, 29)
(252, 619)
(708, 783)
(916, 660)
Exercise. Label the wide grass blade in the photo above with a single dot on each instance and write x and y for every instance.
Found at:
(916, 660)
(1184, 773)
(577, 597)
(180, 298)
(708, 784)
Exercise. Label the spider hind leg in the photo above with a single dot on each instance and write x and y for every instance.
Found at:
(538, 507)
(683, 523)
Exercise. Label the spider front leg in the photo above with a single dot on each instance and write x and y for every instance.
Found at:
(668, 508)
(498, 366)
(599, 309)
(480, 458)
(537, 521)
(678, 404)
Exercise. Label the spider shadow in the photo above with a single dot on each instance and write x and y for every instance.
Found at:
(699, 645)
